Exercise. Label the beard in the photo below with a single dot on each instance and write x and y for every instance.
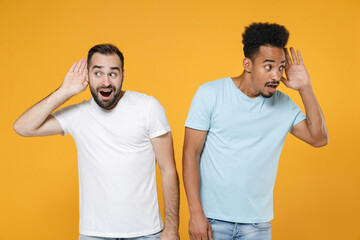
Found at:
(266, 96)
(106, 104)
(270, 94)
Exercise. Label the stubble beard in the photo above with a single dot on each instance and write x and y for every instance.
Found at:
(270, 94)
(266, 96)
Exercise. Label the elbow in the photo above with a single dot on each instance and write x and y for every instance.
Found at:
(19, 130)
(322, 142)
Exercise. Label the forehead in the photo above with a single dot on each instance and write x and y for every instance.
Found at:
(270, 53)
(103, 60)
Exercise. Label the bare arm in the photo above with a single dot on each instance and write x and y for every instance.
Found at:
(37, 121)
(313, 129)
(164, 153)
(199, 227)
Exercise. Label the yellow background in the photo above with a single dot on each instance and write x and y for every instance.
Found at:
(171, 48)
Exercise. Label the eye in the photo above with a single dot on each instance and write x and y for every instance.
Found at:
(268, 67)
(113, 75)
(97, 74)
(281, 68)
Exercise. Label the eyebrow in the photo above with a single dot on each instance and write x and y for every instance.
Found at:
(100, 67)
(269, 60)
(115, 68)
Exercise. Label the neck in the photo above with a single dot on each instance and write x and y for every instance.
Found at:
(244, 84)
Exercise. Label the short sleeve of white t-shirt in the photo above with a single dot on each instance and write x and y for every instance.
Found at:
(67, 115)
(158, 123)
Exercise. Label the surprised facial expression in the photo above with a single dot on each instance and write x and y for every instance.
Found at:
(267, 70)
(105, 79)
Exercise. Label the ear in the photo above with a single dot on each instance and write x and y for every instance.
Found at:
(247, 64)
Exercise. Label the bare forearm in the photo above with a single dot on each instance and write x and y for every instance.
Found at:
(315, 120)
(191, 177)
(170, 184)
(35, 116)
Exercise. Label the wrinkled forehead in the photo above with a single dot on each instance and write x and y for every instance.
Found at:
(106, 61)
(270, 54)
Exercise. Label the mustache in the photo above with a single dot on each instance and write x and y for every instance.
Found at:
(112, 87)
(272, 83)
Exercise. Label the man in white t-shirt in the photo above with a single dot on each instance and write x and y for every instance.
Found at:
(120, 135)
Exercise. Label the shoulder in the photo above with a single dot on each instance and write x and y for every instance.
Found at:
(70, 112)
(75, 107)
(141, 99)
(212, 90)
(214, 85)
(137, 95)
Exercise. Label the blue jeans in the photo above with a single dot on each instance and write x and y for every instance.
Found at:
(155, 236)
(222, 230)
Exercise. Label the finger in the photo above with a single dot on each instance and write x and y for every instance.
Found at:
(73, 66)
(83, 66)
(86, 75)
(200, 236)
(288, 58)
(78, 65)
(284, 80)
(293, 54)
(210, 232)
(300, 57)
(85, 83)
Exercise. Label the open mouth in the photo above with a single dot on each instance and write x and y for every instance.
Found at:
(106, 92)
(272, 85)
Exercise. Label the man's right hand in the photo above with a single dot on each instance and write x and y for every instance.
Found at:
(76, 80)
(199, 227)
(37, 120)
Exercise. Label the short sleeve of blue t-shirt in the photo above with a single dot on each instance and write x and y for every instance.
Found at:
(201, 109)
(298, 115)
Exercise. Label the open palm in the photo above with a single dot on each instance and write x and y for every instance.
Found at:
(76, 79)
(297, 76)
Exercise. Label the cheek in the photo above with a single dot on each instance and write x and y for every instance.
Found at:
(265, 75)
(259, 77)
(263, 79)
(117, 83)
(93, 82)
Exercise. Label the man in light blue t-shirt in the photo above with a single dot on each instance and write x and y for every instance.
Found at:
(234, 135)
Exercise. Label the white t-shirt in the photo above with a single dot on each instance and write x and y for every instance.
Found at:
(117, 179)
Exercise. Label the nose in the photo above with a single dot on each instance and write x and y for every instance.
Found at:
(106, 81)
(277, 75)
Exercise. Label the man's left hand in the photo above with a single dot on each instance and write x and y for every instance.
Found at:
(297, 77)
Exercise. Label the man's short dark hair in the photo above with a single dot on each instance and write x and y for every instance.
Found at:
(106, 49)
(263, 34)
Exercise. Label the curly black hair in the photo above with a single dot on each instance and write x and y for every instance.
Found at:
(263, 34)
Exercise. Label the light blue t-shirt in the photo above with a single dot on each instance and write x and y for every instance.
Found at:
(239, 161)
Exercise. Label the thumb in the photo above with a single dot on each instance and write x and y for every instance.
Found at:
(285, 81)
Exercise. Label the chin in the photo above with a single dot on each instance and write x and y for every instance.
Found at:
(266, 95)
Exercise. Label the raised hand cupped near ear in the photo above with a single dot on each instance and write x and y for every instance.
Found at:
(297, 76)
(76, 80)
